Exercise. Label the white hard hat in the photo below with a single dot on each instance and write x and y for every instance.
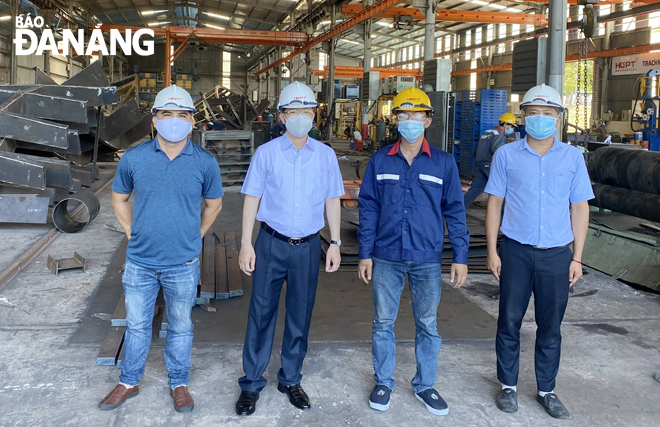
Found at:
(296, 95)
(173, 98)
(542, 95)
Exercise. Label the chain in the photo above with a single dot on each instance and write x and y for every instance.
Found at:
(579, 77)
(584, 53)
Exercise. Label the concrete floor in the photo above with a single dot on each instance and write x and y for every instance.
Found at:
(610, 357)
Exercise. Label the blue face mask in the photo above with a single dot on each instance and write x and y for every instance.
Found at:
(174, 129)
(509, 131)
(411, 130)
(540, 127)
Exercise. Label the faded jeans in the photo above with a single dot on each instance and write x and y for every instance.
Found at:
(141, 288)
(425, 280)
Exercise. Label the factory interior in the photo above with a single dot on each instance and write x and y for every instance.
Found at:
(79, 79)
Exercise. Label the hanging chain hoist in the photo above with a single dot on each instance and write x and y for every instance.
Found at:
(588, 27)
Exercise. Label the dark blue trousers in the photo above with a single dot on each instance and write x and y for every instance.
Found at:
(278, 261)
(545, 273)
(478, 184)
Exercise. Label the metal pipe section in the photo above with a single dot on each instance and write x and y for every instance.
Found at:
(65, 221)
(366, 69)
(330, 94)
(629, 202)
(557, 44)
(429, 31)
(15, 9)
(626, 168)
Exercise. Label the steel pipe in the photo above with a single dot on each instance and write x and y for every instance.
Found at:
(626, 168)
(629, 202)
(65, 221)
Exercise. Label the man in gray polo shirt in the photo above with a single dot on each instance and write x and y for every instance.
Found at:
(169, 176)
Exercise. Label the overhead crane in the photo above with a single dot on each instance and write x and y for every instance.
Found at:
(456, 15)
(212, 35)
(347, 72)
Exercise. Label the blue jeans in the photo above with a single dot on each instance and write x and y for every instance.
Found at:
(425, 283)
(141, 288)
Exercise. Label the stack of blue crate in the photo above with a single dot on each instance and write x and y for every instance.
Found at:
(472, 119)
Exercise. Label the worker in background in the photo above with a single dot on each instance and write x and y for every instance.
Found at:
(490, 141)
(169, 176)
(546, 188)
(409, 190)
(277, 130)
(216, 125)
(294, 177)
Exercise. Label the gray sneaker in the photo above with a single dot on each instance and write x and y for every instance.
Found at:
(553, 406)
(507, 400)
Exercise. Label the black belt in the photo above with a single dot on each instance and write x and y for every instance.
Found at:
(290, 240)
(538, 248)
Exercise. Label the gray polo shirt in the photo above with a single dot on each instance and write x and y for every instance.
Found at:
(167, 201)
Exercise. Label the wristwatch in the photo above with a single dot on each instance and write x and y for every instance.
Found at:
(335, 242)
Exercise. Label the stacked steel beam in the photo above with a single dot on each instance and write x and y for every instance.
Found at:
(45, 127)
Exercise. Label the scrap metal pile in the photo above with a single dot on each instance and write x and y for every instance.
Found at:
(223, 105)
(46, 127)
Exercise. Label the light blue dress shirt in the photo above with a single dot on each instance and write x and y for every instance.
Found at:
(538, 191)
(293, 185)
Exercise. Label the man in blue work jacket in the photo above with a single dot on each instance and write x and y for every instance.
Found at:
(547, 188)
(289, 182)
(407, 191)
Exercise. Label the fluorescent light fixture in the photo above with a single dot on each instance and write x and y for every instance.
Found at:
(385, 24)
(349, 41)
(326, 22)
(153, 24)
(214, 26)
(215, 15)
(5, 18)
(152, 12)
(482, 3)
(512, 10)
(497, 6)
(373, 36)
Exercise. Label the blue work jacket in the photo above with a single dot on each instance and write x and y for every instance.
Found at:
(403, 207)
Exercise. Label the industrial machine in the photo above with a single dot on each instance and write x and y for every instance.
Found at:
(648, 93)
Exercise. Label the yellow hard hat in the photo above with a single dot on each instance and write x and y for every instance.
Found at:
(412, 99)
(508, 118)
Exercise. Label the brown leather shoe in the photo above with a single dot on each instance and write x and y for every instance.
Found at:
(117, 396)
(183, 401)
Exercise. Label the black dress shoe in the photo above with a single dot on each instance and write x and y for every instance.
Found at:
(247, 403)
(553, 405)
(297, 395)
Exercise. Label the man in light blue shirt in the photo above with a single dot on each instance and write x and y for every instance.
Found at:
(290, 181)
(547, 188)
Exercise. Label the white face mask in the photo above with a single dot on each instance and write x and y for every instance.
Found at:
(299, 125)
(173, 129)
